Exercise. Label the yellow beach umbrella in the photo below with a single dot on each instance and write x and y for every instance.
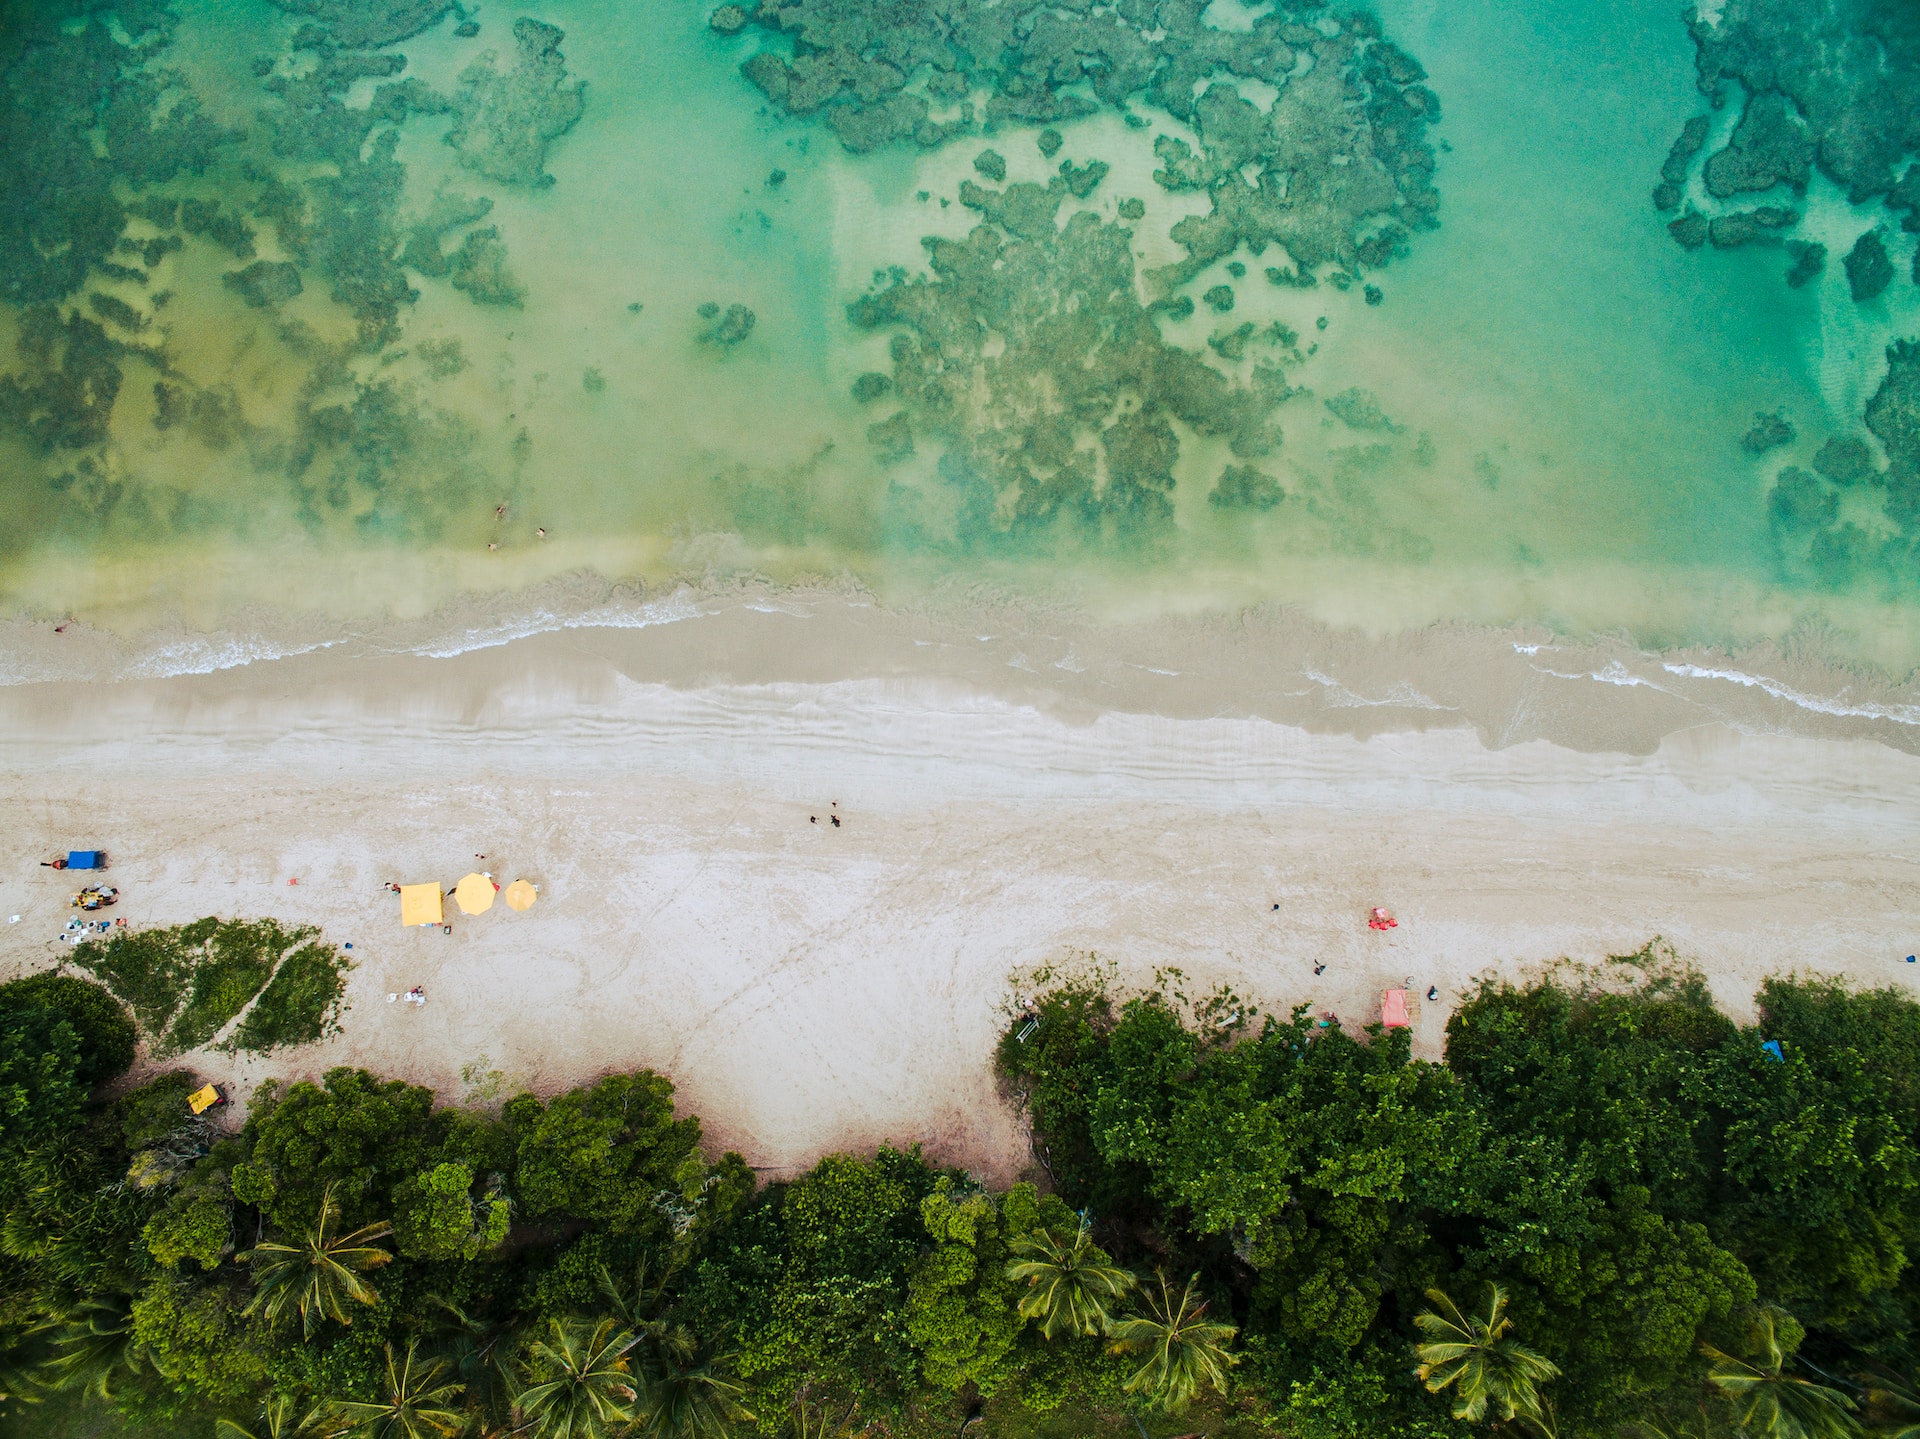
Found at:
(474, 894)
(521, 895)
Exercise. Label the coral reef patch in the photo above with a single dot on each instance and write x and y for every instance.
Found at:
(504, 121)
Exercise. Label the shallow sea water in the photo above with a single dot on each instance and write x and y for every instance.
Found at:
(1558, 389)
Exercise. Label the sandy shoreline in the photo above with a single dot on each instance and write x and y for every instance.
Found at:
(810, 988)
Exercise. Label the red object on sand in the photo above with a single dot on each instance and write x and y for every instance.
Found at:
(1393, 1009)
(1382, 920)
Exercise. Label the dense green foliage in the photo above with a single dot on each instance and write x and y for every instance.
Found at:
(1612, 1211)
(1646, 1184)
(187, 983)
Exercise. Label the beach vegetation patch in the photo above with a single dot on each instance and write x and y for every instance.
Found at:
(300, 1004)
(186, 983)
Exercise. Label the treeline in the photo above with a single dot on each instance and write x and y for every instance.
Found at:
(1698, 1228)
(1612, 1211)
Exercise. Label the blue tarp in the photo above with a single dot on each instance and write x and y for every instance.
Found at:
(1772, 1047)
(85, 859)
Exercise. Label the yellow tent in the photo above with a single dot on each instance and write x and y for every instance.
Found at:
(420, 904)
(521, 895)
(474, 894)
(201, 1100)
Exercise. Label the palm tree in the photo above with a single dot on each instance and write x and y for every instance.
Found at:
(632, 1298)
(1477, 1357)
(1775, 1405)
(1070, 1281)
(413, 1405)
(279, 1419)
(319, 1273)
(1184, 1350)
(478, 1351)
(1895, 1404)
(94, 1344)
(815, 1420)
(687, 1394)
(579, 1382)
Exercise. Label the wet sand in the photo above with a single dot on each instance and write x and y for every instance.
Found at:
(809, 987)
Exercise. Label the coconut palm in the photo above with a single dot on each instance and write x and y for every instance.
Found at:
(1894, 1405)
(280, 1418)
(478, 1351)
(579, 1381)
(94, 1344)
(820, 1418)
(1772, 1404)
(1070, 1281)
(1485, 1366)
(318, 1274)
(633, 1297)
(687, 1394)
(415, 1401)
(1184, 1350)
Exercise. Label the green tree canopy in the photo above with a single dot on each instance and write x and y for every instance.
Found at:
(604, 1153)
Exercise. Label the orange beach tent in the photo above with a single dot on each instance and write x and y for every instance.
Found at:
(420, 904)
(1393, 1009)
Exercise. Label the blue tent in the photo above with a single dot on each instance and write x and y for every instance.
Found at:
(86, 859)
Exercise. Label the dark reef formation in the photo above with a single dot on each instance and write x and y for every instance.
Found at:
(1828, 88)
(1028, 355)
(480, 268)
(505, 121)
(60, 208)
(265, 283)
(1869, 270)
(1769, 432)
(728, 328)
(1027, 359)
(1242, 487)
(1893, 415)
(1673, 171)
(110, 168)
(1750, 227)
(1359, 410)
(1828, 85)
(1849, 518)
(1340, 150)
(367, 24)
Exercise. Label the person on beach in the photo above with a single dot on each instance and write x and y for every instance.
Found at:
(1433, 993)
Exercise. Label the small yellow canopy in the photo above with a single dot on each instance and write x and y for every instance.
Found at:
(474, 894)
(201, 1100)
(420, 904)
(521, 895)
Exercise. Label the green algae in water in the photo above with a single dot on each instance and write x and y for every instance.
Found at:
(332, 287)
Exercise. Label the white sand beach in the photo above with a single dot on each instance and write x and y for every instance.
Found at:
(811, 987)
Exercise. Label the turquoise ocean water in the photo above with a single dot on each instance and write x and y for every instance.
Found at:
(368, 324)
